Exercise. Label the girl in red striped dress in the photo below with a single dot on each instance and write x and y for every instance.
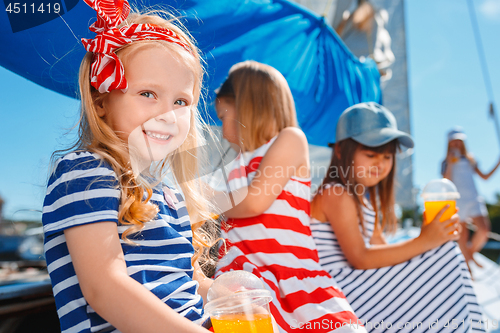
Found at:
(267, 232)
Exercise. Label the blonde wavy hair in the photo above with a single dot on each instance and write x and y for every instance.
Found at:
(96, 136)
(263, 101)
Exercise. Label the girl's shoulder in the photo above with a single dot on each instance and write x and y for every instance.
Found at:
(293, 133)
(338, 205)
(336, 194)
(82, 189)
(81, 165)
(333, 190)
(81, 159)
(332, 186)
(472, 160)
(288, 134)
(291, 140)
(286, 138)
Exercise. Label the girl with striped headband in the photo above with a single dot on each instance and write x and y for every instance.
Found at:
(120, 248)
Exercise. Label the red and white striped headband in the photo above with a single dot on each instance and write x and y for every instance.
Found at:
(107, 72)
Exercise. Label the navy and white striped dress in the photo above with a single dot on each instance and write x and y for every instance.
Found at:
(431, 292)
(84, 189)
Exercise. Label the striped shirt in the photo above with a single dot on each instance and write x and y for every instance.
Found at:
(84, 189)
(277, 247)
(431, 292)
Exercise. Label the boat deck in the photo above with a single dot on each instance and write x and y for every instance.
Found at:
(486, 281)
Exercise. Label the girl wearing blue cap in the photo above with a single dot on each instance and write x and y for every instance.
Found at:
(417, 285)
(460, 167)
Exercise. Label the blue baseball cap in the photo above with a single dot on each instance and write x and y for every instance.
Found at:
(370, 124)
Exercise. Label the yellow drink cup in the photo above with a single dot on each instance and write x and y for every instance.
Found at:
(238, 303)
(437, 194)
(432, 208)
(242, 323)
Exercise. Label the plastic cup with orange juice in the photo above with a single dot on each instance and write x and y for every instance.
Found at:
(455, 157)
(437, 194)
(238, 303)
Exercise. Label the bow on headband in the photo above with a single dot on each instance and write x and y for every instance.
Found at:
(107, 72)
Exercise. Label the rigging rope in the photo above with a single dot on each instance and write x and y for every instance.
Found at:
(480, 50)
(484, 65)
(327, 8)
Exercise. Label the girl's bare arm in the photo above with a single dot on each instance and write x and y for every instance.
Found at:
(99, 264)
(488, 175)
(288, 156)
(340, 211)
(204, 282)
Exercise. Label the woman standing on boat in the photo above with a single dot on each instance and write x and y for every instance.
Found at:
(459, 167)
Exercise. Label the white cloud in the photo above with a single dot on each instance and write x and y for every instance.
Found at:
(490, 9)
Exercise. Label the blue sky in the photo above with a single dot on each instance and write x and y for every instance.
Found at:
(445, 82)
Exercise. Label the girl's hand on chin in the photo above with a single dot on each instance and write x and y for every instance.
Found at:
(437, 233)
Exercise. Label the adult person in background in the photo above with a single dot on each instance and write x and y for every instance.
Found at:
(459, 167)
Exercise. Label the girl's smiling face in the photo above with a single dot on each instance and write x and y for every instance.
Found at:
(154, 114)
(371, 167)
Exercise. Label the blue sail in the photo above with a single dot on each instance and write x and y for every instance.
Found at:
(324, 76)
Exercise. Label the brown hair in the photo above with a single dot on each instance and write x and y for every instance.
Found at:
(96, 136)
(263, 102)
(381, 195)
